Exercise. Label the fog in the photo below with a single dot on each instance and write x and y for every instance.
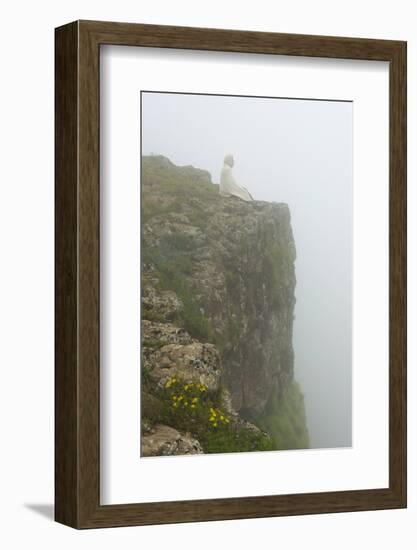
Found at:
(298, 152)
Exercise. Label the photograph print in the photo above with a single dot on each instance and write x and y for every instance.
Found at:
(246, 274)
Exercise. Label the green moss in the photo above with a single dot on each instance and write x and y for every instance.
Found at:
(152, 207)
(172, 269)
(152, 407)
(145, 377)
(199, 216)
(176, 186)
(151, 315)
(284, 419)
(235, 439)
(277, 271)
(176, 243)
(152, 343)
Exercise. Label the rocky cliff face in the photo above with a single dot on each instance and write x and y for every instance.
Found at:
(218, 284)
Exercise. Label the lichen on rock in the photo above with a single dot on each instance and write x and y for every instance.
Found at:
(193, 362)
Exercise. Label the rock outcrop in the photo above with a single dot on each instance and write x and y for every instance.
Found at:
(163, 441)
(218, 284)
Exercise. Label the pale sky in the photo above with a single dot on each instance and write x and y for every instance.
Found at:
(298, 152)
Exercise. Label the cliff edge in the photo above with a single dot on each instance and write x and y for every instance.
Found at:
(218, 282)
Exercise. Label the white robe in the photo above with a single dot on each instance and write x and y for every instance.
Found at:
(229, 187)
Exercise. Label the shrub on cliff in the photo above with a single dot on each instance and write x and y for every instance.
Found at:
(191, 408)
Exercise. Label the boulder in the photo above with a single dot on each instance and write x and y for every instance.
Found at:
(162, 440)
(195, 362)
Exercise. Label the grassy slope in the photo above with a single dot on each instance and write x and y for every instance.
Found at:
(284, 419)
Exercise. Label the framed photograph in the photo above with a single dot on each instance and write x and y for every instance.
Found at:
(230, 274)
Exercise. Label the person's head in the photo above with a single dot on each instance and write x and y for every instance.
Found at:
(228, 159)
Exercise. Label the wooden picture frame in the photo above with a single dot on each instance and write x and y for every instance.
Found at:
(77, 372)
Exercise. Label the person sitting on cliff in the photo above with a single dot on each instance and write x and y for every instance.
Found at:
(228, 185)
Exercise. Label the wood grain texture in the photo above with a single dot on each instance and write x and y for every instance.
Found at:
(66, 237)
(78, 285)
(398, 273)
